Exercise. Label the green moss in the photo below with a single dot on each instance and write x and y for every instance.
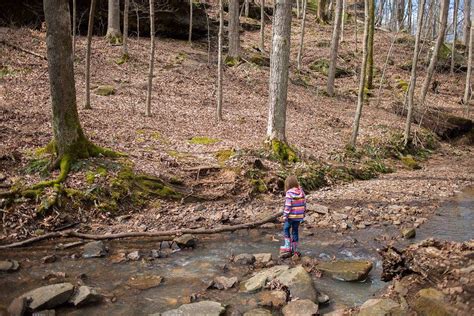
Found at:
(402, 85)
(114, 40)
(123, 59)
(231, 61)
(223, 155)
(203, 140)
(260, 60)
(105, 90)
(6, 71)
(38, 166)
(180, 58)
(410, 162)
(322, 66)
(283, 152)
(258, 186)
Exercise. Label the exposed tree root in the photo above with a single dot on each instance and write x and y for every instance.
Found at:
(164, 235)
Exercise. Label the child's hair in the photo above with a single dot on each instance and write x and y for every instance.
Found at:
(291, 182)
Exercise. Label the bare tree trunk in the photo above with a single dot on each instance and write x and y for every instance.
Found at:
(138, 21)
(400, 13)
(379, 98)
(370, 45)
(74, 7)
(467, 22)
(411, 88)
(321, 13)
(246, 8)
(355, 20)
(125, 28)
(467, 90)
(363, 69)
(262, 25)
(410, 16)
(455, 35)
(219, 61)
(113, 22)
(152, 57)
(279, 62)
(297, 9)
(380, 13)
(234, 34)
(334, 48)
(303, 22)
(90, 26)
(439, 41)
(343, 18)
(190, 22)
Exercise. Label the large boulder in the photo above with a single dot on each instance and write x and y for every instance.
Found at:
(45, 297)
(300, 308)
(380, 307)
(223, 283)
(276, 299)
(208, 308)
(346, 270)
(85, 295)
(258, 281)
(299, 283)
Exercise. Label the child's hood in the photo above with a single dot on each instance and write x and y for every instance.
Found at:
(296, 192)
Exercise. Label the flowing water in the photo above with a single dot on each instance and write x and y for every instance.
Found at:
(188, 272)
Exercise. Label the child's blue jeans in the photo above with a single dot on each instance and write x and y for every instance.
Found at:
(293, 226)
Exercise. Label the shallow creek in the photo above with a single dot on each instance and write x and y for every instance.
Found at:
(188, 272)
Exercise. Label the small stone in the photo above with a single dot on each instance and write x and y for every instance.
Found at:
(118, 258)
(275, 299)
(344, 225)
(263, 258)
(244, 259)
(9, 265)
(158, 254)
(49, 259)
(300, 308)
(223, 283)
(409, 233)
(94, 249)
(134, 255)
(105, 90)
(323, 298)
(199, 208)
(397, 222)
(2, 177)
(186, 241)
(360, 226)
(85, 295)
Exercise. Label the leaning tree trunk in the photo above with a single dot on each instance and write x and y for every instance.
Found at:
(113, 22)
(234, 36)
(262, 25)
(152, 58)
(411, 88)
(334, 47)
(90, 26)
(467, 22)
(370, 46)
(126, 6)
(455, 34)
(219, 60)
(363, 70)
(190, 22)
(467, 89)
(74, 11)
(279, 64)
(439, 41)
(300, 49)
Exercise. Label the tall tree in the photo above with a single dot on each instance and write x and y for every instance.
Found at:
(400, 13)
(113, 22)
(468, 88)
(439, 42)
(279, 62)
(370, 45)
(343, 20)
(234, 34)
(262, 25)
(467, 22)
(152, 58)
(363, 70)
(334, 48)
(190, 35)
(321, 12)
(411, 88)
(69, 140)
(297, 9)
(219, 60)
(380, 12)
(455, 35)
(410, 16)
(90, 26)
(74, 11)
(300, 49)
(126, 6)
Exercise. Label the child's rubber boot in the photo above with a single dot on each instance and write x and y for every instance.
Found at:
(294, 249)
(285, 250)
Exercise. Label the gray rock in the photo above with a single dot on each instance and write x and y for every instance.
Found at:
(9, 265)
(199, 208)
(409, 233)
(48, 312)
(263, 258)
(380, 307)
(134, 255)
(47, 297)
(258, 281)
(208, 308)
(320, 209)
(223, 283)
(258, 312)
(275, 299)
(85, 295)
(323, 298)
(94, 249)
(300, 308)
(186, 241)
(299, 283)
(244, 259)
(346, 270)
(158, 254)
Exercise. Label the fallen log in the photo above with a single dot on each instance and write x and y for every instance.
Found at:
(164, 235)
(443, 124)
(22, 49)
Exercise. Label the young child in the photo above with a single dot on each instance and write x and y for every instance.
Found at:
(293, 214)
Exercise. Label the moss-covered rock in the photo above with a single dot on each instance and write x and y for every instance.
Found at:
(231, 61)
(105, 90)
(409, 162)
(260, 60)
(322, 66)
(347, 270)
(402, 85)
(203, 140)
(282, 152)
(225, 154)
(432, 302)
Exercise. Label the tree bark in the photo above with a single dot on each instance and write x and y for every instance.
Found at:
(234, 34)
(411, 88)
(279, 64)
(467, 89)
(262, 25)
(190, 22)
(410, 18)
(355, 28)
(400, 13)
(303, 23)
(152, 58)
(126, 6)
(246, 8)
(363, 70)
(90, 26)
(321, 13)
(219, 61)
(74, 13)
(113, 22)
(380, 12)
(370, 45)
(467, 22)
(334, 48)
(297, 9)
(343, 18)
(439, 41)
(455, 35)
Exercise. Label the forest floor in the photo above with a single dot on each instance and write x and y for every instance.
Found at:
(182, 141)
